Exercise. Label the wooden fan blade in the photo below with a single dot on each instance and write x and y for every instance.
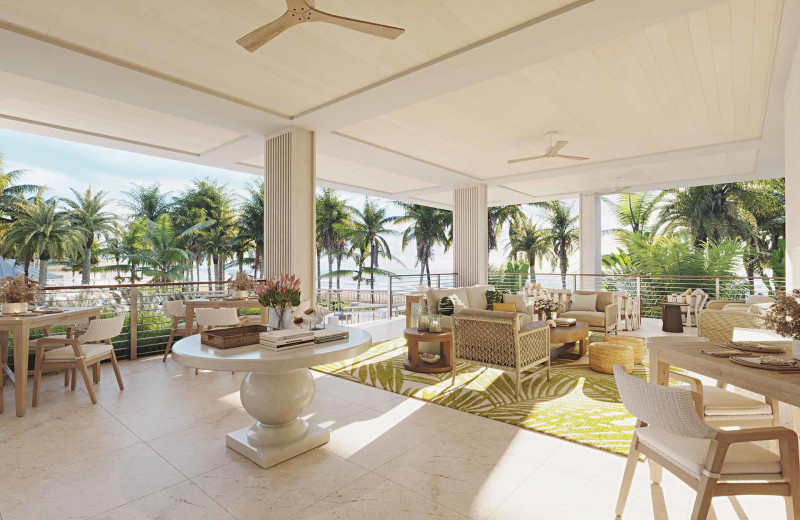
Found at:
(252, 41)
(375, 29)
(513, 161)
(573, 157)
(557, 147)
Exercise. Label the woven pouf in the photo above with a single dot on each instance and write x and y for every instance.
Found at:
(603, 356)
(637, 344)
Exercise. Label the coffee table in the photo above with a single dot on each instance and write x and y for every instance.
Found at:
(276, 390)
(568, 337)
(445, 341)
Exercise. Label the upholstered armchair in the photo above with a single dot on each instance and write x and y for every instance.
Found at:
(603, 317)
(496, 339)
(717, 324)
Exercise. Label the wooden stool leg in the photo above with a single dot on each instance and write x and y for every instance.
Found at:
(702, 504)
(66, 377)
(627, 478)
(73, 381)
(96, 373)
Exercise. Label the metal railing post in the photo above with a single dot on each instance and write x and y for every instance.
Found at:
(639, 287)
(438, 281)
(390, 297)
(574, 282)
(134, 321)
(717, 284)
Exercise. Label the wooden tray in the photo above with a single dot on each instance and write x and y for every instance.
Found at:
(233, 337)
(753, 362)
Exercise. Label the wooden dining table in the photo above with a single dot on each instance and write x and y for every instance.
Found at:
(220, 303)
(784, 387)
(21, 327)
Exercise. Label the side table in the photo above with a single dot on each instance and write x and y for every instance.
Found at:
(445, 340)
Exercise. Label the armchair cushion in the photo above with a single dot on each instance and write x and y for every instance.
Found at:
(593, 318)
(718, 401)
(690, 454)
(759, 298)
(65, 354)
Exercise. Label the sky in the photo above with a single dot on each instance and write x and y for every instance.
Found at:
(61, 165)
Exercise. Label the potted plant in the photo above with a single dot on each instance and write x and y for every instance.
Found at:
(784, 318)
(279, 294)
(16, 292)
(241, 285)
(547, 306)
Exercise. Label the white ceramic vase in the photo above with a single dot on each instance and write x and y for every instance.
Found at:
(14, 308)
(240, 295)
(796, 348)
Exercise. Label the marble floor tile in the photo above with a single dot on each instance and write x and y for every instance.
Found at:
(86, 488)
(360, 394)
(182, 501)
(327, 411)
(372, 497)
(249, 492)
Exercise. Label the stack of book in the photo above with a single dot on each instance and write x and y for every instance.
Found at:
(285, 339)
(324, 336)
(565, 322)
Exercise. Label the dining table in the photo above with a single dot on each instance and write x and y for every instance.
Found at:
(784, 387)
(220, 303)
(20, 326)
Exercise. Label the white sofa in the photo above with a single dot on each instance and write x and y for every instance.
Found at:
(474, 298)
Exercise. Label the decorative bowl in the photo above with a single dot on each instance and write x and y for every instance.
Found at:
(427, 357)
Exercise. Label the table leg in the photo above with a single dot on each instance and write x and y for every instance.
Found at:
(21, 336)
(3, 354)
(189, 320)
(659, 372)
(582, 347)
(276, 400)
(413, 352)
(264, 316)
(447, 352)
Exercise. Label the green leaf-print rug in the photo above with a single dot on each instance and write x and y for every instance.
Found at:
(577, 404)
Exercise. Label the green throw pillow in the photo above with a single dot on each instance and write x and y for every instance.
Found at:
(448, 305)
(493, 297)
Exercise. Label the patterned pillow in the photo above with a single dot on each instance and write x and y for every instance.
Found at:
(450, 305)
(493, 297)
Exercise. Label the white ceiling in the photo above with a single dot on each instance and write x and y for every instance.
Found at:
(656, 93)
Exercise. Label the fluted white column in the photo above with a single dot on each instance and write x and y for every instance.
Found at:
(470, 235)
(590, 251)
(792, 165)
(289, 207)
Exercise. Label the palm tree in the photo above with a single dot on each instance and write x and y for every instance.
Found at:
(332, 220)
(146, 201)
(635, 210)
(499, 216)
(164, 260)
(87, 213)
(427, 227)
(367, 236)
(43, 231)
(251, 222)
(125, 247)
(10, 192)
(526, 239)
(562, 234)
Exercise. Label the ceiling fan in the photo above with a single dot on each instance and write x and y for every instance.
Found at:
(551, 151)
(301, 11)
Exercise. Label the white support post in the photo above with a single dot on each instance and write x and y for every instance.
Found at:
(792, 166)
(289, 207)
(590, 229)
(470, 235)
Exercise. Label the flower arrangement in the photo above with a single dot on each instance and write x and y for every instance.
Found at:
(280, 294)
(784, 316)
(548, 307)
(18, 289)
(241, 282)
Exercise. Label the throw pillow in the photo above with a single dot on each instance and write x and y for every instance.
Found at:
(450, 305)
(504, 307)
(759, 298)
(518, 300)
(584, 302)
(493, 297)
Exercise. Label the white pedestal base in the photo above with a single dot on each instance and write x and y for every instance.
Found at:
(268, 456)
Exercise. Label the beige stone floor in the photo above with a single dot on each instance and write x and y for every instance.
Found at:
(157, 451)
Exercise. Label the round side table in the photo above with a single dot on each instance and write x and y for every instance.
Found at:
(445, 341)
(276, 390)
(673, 318)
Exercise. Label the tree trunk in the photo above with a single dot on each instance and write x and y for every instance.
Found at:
(330, 270)
(532, 268)
(338, 268)
(563, 261)
(27, 268)
(319, 270)
(210, 277)
(42, 272)
(87, 265)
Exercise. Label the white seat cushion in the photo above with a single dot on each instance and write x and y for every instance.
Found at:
(592, 318)
(719, 402)
(64, 354)
(690, 454)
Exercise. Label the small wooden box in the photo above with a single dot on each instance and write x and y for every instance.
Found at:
(233, 337)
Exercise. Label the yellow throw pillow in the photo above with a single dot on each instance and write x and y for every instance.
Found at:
(505, 307)
(688, 292)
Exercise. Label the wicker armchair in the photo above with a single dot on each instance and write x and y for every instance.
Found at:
(493, 339)
(717, 325)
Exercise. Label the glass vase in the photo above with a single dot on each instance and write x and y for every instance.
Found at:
(280, 318)
(423, 318)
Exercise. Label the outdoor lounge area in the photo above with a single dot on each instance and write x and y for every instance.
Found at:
(379, 259)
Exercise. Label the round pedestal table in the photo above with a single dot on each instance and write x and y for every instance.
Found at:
(276, 390)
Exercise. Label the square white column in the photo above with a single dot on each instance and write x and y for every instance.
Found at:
(590, 248)
(470, 235)
(289, 207)
(792, 169)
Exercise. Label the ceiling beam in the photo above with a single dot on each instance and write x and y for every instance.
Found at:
(576, 26)
(626, 162)
(76, 69)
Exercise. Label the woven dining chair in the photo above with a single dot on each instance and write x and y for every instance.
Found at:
(721, 407)
(79, 352)
(671, 434)
(176, 311)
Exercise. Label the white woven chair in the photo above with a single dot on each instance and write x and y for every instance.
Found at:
(670, 432)
(176, 311)
(80, 352)
(722, 408)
